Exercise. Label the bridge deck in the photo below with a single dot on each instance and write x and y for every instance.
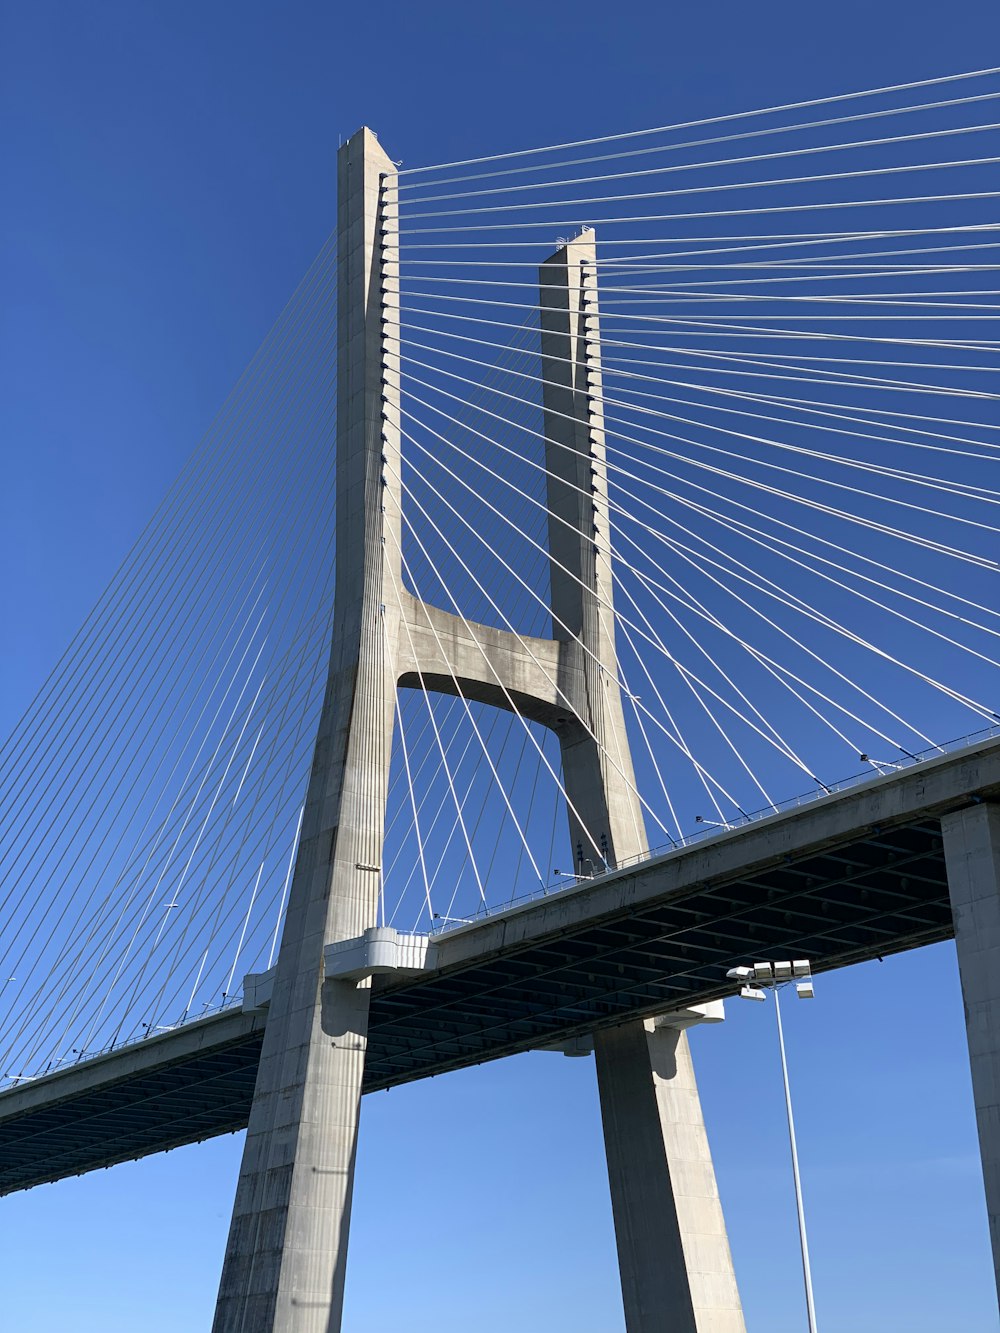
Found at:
(852, 876)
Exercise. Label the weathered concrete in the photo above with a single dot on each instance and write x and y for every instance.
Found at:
(972, 855)
(673, 1254)
(286, 1255)
(605, 814)
(676, 1270)
(492, 666)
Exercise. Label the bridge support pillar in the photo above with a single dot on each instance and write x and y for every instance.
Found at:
(286, 1256)
(972, 856)
(676, 1269)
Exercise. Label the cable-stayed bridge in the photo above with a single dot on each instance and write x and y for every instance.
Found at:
(534, 538)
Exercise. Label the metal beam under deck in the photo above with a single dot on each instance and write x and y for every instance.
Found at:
(853, 876)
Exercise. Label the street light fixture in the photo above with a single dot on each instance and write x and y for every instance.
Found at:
(755, 982)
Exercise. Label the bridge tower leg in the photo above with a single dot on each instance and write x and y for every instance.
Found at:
(673, 1252)
(287, 1250)
(972, 856)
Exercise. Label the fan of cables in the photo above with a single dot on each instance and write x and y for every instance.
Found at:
(795, 328)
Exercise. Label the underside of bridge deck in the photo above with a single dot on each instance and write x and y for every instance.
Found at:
(870, 899)
(855, 876)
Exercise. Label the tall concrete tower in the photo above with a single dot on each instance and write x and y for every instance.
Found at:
(286, 1256)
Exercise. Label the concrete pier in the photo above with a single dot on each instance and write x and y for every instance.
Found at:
(972, 856)
(286, 1255)
(676, 1269)
(673, 1253)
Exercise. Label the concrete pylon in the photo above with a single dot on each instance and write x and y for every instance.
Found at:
(286, 1256)
(972, 858)
(605, 815)
(287, 1249)
(673, 1253)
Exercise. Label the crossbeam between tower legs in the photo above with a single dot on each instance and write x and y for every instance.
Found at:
(676, 1269)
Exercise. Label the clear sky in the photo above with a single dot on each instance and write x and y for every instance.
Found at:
(168, 175)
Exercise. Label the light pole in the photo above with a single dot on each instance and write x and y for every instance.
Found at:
(755, 982)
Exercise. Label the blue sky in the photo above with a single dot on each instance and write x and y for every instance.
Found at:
(169, 173)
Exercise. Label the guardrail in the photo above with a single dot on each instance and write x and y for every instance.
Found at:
(94, 1053)
(877, 769)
